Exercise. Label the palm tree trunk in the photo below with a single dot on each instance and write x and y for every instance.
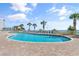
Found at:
(74, 24)
(43, 27)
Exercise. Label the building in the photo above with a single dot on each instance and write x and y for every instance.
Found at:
(1, 24)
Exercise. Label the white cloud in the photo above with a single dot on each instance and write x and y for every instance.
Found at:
(19, 16)
(22, 7)
(62, 17)
(62, 12)
(34, 4)
(52, 10)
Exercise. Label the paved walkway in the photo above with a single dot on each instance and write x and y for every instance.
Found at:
(13, 48)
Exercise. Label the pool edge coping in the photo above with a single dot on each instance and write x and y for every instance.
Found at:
(39, 42)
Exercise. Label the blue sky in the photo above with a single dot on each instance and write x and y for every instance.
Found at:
(56, 14)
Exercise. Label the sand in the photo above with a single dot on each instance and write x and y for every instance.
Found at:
(15, 48)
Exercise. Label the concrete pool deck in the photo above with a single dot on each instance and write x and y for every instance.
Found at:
(14, 48)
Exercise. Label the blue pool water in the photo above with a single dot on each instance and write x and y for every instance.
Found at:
(38, 38)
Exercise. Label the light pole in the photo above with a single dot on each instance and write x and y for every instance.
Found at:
(3, 24)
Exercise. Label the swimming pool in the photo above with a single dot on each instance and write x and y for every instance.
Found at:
(38, 38)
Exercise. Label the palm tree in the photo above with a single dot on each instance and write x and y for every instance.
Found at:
(34, 25)
(29, 24)
(21, 26)
(43, 23)
(74, 16)
(71, 29)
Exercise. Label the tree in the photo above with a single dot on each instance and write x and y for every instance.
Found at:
(21, 27)
(29, 24)
(34, 25)
(71, 29)
(43, 23)
(74, 16)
